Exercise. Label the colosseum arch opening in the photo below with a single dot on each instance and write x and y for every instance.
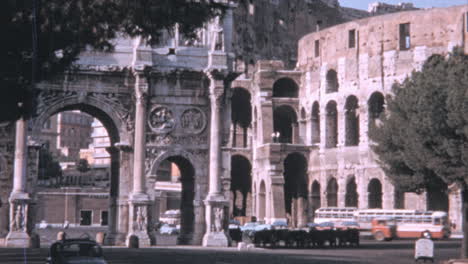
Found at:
(375, 104)
(331, 129)
(178, 174)
(332, 193)
(285, 87)
(351, 196)
(241, 182)
(285, 122)
(295, 188)
(374, 191)
(315, 123)
(241, 117)
(352, 121)
(262, 205)
(332, 81)
(315, 197)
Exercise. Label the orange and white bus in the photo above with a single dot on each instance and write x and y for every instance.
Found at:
(404, 223)
(334, 214)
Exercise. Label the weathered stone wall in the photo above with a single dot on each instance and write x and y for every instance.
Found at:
(374, 63)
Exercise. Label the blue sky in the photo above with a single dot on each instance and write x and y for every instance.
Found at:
(362, 4)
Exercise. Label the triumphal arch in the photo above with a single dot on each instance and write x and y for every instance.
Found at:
(158, 103)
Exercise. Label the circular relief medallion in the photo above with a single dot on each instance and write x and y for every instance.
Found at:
(161, 120)
(193, 121)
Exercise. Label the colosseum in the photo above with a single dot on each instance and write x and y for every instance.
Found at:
(307, 141)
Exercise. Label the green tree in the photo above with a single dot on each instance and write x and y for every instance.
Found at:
(83, 165)
(61, 29)
(421, 141)
(49, 167)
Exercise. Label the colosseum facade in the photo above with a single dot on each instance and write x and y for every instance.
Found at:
(307, 137)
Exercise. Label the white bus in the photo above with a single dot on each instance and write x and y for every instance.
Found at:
(334, 214)
(407, 221)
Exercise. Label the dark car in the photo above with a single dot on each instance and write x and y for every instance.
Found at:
(75, 251)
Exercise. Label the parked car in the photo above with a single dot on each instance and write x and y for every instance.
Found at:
(169, 229)
(233, 224)
(171, 217)
(280, 224)
(263, 227)
(347, 225)
(75, 251)
(249, 226)
(325, 226)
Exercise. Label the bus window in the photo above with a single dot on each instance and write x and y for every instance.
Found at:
(437, 221)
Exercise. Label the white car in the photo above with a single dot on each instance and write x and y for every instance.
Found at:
(169, 229)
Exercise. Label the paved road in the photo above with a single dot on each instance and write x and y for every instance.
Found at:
(369, 252)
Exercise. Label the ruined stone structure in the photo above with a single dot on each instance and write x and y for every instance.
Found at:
(272, 142)
(309, 125)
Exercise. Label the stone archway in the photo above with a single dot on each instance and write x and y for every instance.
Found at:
(374, 190)
(332, 193)
(118, 124)
(315, 197)
(191, 191)
(241, 182)
(261, 205)
(351, 196)
(295, 188)
(285, 122)
(241, 116)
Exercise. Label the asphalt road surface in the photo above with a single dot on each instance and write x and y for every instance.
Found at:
(399, 251)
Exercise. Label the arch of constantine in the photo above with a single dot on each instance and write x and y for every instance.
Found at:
(272, 142)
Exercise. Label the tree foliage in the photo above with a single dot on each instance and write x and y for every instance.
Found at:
(83, 165)
(64, 28)
(49, 167)
(422, 138)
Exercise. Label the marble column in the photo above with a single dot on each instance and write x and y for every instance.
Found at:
(18, 235)
(139, 199)
(216, 204)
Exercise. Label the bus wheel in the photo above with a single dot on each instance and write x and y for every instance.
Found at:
(379, 236)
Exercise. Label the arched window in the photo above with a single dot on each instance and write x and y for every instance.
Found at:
(375, 194)
(295, 188)
(351, 199)
(315, 195)
(332, 193)
(285, 122)
(285, 87)
(241, 181)
(262, 201)
(315, 122)
(332, 82)
(241, 116)
(352, 121)
(331, 129)
(302, 127)
(375, 105)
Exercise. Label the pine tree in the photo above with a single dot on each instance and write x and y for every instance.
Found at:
(421, 141)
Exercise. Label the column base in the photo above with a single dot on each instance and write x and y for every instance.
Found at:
(215, 239)
(18, 239)
(143, 239)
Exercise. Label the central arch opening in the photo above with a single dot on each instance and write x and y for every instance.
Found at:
(295, 188)
(175, 179)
